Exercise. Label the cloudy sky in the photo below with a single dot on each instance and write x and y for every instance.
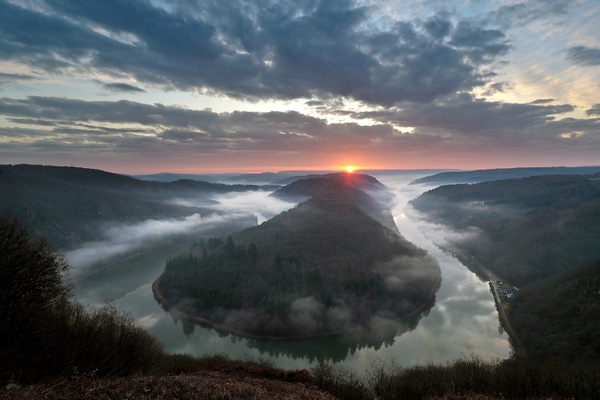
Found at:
(142, 86)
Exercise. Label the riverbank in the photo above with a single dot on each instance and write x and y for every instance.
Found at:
(486, 274)
(178, 313)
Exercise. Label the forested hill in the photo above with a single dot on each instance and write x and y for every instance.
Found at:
(308, 186)
(66, 204)
(536, 233)
(101, 180)
(558, 317)
(484, 175)
(526, 229)
(355, 186)
(323, 267)
(339, 226)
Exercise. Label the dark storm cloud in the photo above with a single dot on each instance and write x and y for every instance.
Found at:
(121, 87)
(123, 111)
(252, 49)
(583, 55)
(414, 67)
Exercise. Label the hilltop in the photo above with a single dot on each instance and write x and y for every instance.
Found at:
(484, 175)
(67, 205)
(330, 265)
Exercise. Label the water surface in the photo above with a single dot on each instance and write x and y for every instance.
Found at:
(462, 322)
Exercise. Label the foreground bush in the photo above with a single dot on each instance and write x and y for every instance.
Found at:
(45, 333)
(510, 379)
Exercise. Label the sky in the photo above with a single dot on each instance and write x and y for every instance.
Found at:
(193, 86)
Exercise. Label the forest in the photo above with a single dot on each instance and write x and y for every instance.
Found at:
(53, 347)
(558, 317)
(322, 267)
(541, 234)
(528, 228)
(70, 206)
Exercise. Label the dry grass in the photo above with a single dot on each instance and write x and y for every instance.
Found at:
(202, 384)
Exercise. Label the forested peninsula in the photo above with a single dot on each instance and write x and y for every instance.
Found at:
(335, 263)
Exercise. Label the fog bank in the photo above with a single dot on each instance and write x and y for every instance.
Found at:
(124, 239)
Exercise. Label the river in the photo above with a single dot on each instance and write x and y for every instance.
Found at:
(462, 322)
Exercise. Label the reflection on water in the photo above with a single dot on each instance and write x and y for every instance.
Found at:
(463, 320)
(333, 348)
(338, 348)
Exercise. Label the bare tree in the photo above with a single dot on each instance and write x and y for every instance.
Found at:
(34, 296)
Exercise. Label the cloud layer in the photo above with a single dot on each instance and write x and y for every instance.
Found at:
(253, 49)
(364, 80)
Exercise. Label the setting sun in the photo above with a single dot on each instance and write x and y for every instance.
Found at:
(349, 168)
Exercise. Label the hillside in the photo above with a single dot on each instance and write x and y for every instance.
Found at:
(55, 348)
(67, 205)
(522, 229)
(326, 266)
(537, 233)
(484, 175)
(558, 317)
(302, 187)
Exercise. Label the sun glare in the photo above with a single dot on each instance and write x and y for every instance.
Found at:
(349, 168)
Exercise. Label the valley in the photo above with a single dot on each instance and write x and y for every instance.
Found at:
(462, 320)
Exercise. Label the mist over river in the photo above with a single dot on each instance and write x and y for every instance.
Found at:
(462, 322)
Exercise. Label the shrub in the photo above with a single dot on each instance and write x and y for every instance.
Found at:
(44, 333)
(33, 300)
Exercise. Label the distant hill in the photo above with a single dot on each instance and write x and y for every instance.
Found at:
(523, 229)
(263, 178)
(337, 212)
(171, 177)
(67, 204)
(301, 188)
(292, 179)
(483, 175)
(326, 266)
